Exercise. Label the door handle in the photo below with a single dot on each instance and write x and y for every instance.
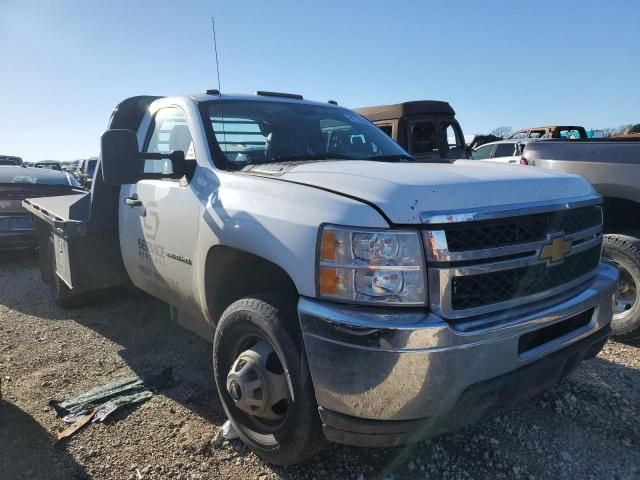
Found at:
(133, 201)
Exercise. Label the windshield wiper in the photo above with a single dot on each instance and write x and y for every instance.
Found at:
(392, 158)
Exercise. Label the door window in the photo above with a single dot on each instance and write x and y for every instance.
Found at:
(570, 133)
(388, 129)
(170, 133)
(505, 150)
(423, 138)
(539, 134)
(482, 153)
(453, 139)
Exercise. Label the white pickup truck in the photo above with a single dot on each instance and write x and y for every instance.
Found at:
(351, 293)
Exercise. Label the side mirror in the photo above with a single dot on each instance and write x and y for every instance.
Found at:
(179, 165)
(121, 162)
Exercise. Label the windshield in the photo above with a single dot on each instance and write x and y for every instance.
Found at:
(253, 132)
(48, 165)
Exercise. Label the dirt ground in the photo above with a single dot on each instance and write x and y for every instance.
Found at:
(586, 427)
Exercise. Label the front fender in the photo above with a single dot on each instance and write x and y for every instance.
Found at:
(275, 220)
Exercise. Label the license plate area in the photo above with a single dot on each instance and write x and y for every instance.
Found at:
(16, 223)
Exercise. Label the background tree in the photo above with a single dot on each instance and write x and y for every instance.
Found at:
(622, 129)
(500, 131)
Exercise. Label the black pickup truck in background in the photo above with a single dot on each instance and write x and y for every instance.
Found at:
(613, 168)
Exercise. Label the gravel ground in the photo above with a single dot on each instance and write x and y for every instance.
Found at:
(586, 427)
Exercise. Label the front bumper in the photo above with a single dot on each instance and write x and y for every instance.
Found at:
(387, 377)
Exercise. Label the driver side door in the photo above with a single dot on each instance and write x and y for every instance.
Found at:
(159, 218)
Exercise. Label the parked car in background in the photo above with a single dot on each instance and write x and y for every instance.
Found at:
(613, 168)
(427, 129)
(49, 165)
(352, 293)
(85, 172)
(502, 151)
(17, 183)
(550, 131)
(10, 160)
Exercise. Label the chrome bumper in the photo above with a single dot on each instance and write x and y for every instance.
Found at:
(401, 365)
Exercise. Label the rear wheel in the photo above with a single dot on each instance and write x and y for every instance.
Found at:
(624, 251)
(264, 383)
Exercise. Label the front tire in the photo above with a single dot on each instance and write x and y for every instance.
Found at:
(624, 251)
(259, 339)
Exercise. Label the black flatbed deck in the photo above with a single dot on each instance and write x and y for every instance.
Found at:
(78, 242)
(67, 214)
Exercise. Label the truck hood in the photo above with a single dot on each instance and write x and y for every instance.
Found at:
(405, 190)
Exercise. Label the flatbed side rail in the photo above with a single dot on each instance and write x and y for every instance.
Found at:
(61, 225)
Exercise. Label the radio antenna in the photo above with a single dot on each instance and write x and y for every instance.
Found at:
(215, 47)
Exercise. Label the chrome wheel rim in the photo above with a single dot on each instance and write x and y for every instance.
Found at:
(627, 294)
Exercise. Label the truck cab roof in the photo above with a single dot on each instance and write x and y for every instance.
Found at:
(399, 110)
(258, 96)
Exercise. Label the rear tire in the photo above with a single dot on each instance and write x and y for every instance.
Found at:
(624, 251)
(272, 320)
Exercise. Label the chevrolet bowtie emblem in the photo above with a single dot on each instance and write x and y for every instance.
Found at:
(556, 250)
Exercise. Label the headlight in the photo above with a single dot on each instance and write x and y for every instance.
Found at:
(371, 266)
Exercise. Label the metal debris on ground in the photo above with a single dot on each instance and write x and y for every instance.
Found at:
(100, 402)
(77, 425)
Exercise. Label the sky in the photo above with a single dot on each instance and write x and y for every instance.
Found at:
(65, 64)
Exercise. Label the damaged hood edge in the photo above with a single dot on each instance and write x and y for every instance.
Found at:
(406, 192)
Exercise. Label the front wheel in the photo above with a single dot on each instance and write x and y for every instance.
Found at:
(263, 382)
(624, 251)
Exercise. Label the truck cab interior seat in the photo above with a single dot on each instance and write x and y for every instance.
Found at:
(281, 144)
(179, 138)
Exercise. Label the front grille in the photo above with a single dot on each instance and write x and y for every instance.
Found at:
(479, 267)
(472, 291)
(524, 229)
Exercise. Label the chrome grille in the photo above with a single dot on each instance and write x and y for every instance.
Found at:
(524, 229)
(471, 291)
(479, 267)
